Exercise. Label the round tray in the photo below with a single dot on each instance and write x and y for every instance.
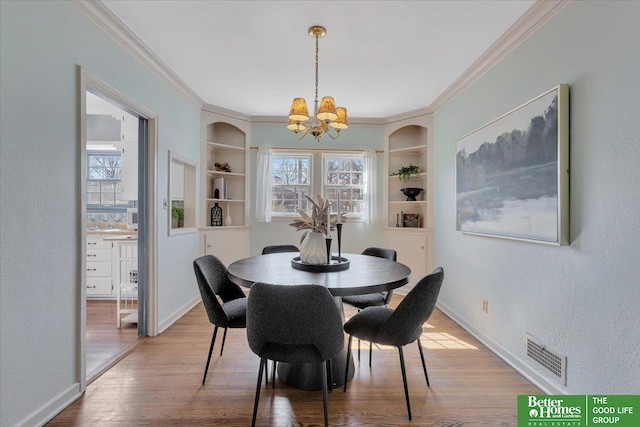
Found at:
(336, 265)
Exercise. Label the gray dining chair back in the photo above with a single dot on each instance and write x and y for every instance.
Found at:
(213, 281)
(293, 324)
(376, 299)
(405, 324)
(381, 253)
(277, 249)
(399, 327)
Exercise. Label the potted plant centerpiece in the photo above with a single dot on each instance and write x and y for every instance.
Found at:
(313, 248)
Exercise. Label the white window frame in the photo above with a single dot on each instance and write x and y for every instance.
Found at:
(317, 177)
(326, 187)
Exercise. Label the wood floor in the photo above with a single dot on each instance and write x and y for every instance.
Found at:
(159, 384)
(105, 342)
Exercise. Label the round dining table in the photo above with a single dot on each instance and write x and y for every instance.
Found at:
(366, 274)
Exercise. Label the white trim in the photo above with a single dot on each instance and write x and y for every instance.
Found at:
(53, 407)
(534, 18)
(86, 80)
(537, 378)
(176, 315)
(107, 21)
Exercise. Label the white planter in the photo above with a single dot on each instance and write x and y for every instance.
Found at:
(313, 248)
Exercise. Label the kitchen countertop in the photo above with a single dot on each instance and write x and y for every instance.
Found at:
(123, 238)
(111, 232)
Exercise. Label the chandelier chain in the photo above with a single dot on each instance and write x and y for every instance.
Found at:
(317, 49)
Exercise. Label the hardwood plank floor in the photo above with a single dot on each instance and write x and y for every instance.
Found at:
(159, 384)
(105, 342)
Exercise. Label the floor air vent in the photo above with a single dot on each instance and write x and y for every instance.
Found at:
(553, 362)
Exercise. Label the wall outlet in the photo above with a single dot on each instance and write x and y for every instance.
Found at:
(485, 306)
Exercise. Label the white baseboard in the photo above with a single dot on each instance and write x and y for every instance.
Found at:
(163, 325)
(516, 363)
(46, 412)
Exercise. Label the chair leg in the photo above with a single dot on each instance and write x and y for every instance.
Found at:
(424, 366)
(213, 341)
(370, 353)
(404, 380)
(263, 362)
(324, 393)
(346, 368)
(266, 374)
(330, 374)
(224, 338)
(358, 349)
(273, 374)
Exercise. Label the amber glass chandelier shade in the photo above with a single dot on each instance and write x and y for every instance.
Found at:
(298, 112)
(296, 126)
(327, 109)
(342, 121)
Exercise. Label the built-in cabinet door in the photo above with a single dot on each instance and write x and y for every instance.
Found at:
(228, 244)
(412, 251)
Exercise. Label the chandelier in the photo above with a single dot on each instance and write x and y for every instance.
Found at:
(326, 114)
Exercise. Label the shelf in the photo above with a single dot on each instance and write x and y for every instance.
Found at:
(418, 149)
(218, 146)
(422, 175)
(225, 227)
(406, 202)
(408, 229)
(225, 174)
(224, 200)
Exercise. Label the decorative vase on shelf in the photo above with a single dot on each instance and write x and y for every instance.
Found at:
(216, 216)
(313, 248)
(228, 221)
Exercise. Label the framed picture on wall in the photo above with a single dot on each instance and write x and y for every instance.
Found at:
(411, 220)
(512, 174)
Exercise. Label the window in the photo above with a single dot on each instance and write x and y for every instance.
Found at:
(343, 181)
(103, 181)
(291, 180)
(334, 175)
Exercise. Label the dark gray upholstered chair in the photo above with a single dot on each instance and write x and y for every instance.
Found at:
(213, 279)
(276, 249)
(399, 327)
(293, 324)
(372, 300)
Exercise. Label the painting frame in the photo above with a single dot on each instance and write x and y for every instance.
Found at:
(512, 174)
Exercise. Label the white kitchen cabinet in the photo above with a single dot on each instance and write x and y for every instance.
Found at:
(99, 268)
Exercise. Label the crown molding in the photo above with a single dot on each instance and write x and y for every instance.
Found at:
(107, 21)
(209, 108)
(408, 115)
(534, 18)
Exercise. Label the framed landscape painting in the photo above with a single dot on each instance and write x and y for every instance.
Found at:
(512, 174)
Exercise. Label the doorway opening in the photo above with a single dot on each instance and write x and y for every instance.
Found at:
(117, 158)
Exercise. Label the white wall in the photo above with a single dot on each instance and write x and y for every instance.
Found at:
(581, 300)
(355, 236)
(41, 43)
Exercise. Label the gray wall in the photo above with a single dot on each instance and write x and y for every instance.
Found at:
(41, 43)
(581, 300)
(355, 236)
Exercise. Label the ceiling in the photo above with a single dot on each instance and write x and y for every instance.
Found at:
(378, 59)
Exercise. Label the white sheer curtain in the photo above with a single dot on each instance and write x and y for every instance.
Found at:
(263, 185)
(370, 187)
